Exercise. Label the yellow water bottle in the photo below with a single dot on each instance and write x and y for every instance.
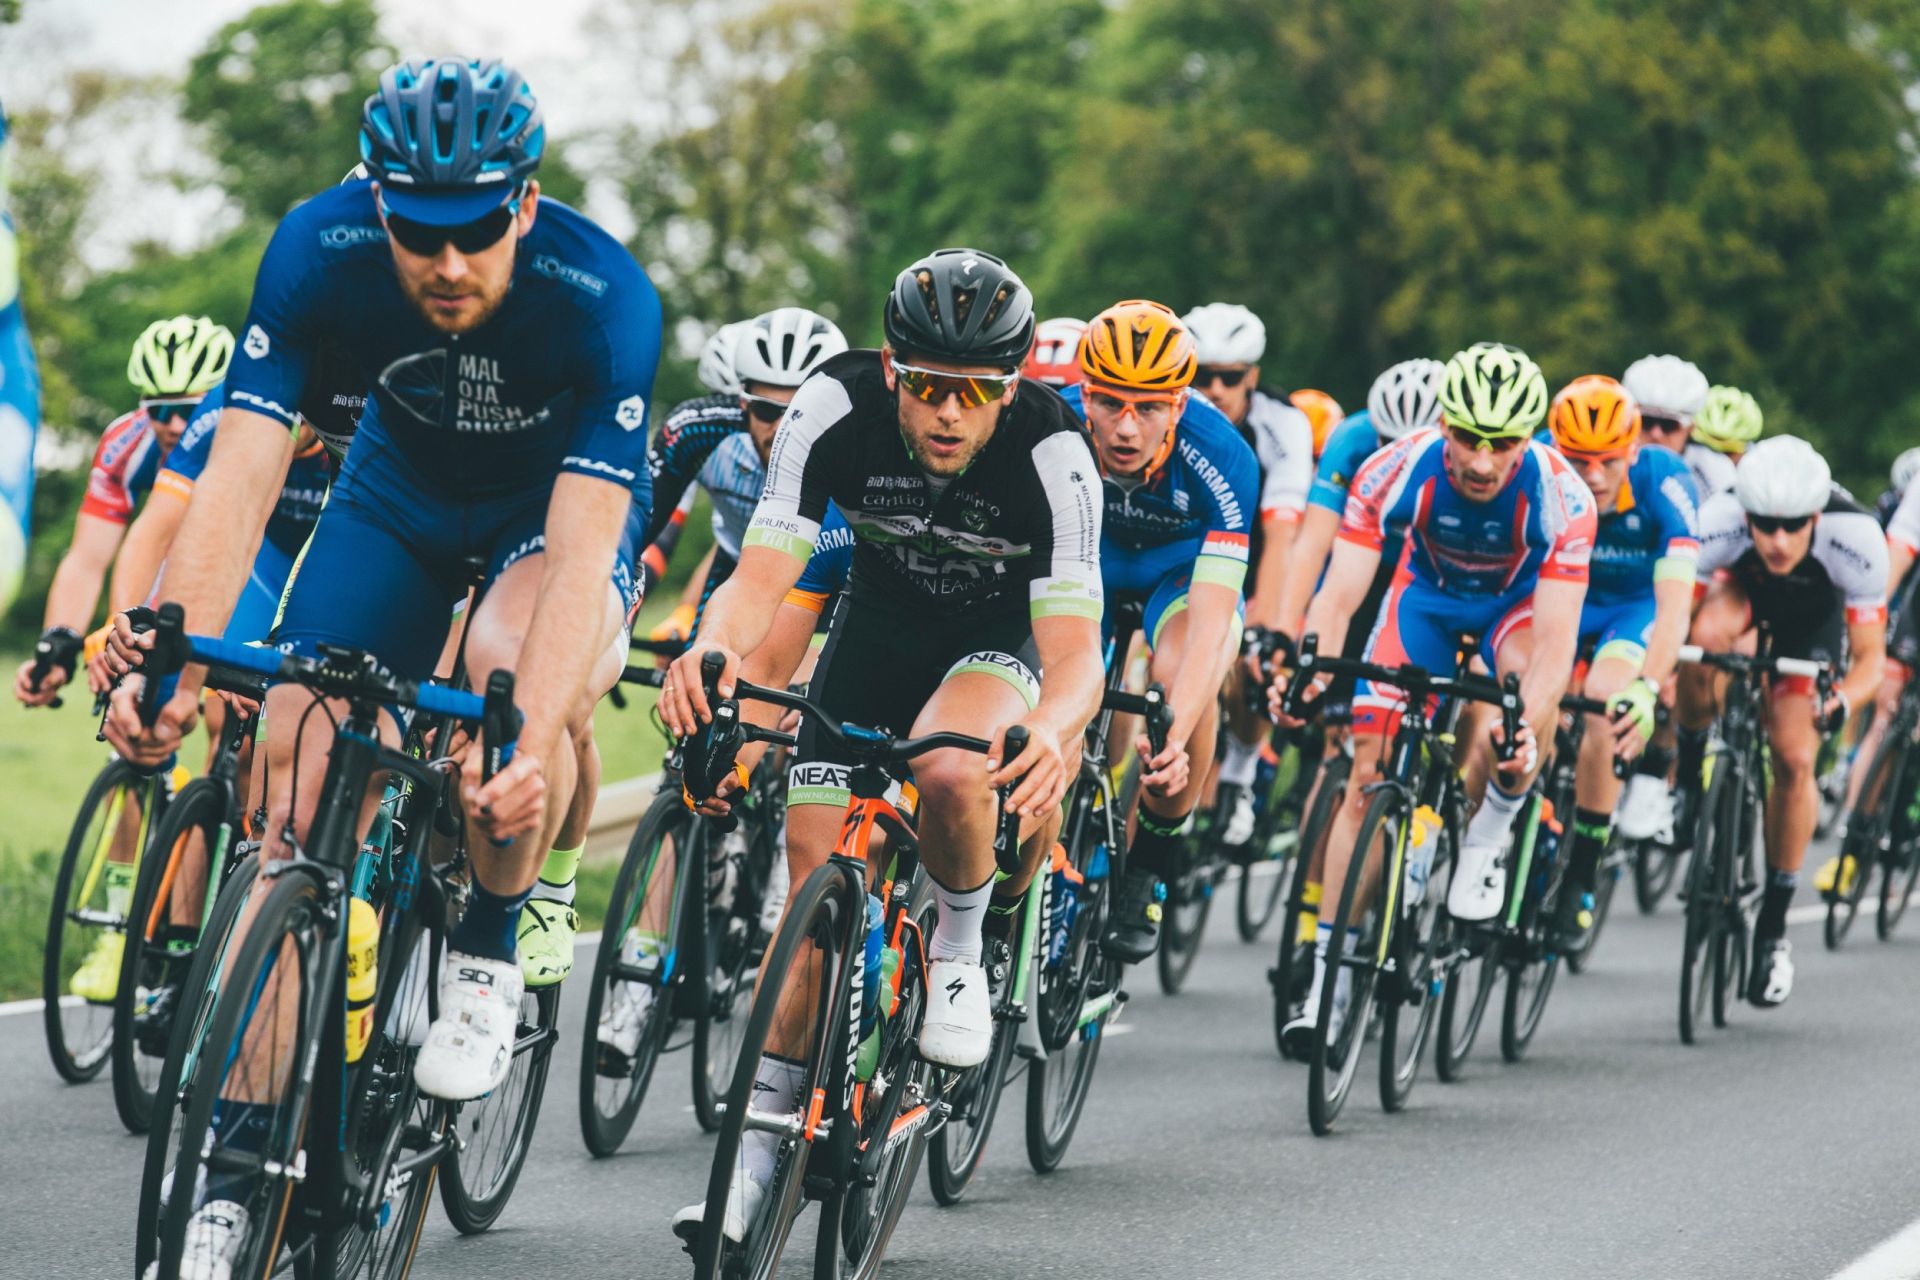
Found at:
(1421, 839)
(363, 980)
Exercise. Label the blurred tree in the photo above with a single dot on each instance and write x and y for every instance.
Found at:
(279, 91)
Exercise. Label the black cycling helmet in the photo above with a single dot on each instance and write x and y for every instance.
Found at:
(451, 139)
(961, 305)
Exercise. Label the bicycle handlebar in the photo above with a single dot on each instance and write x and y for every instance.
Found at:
(1416, 681)
(337, 673)
(708, 754)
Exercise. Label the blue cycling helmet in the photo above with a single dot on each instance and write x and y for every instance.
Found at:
(451, 139)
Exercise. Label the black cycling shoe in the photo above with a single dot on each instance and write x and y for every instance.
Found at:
(1573, 920)
(1771, 979)
(1133, 926)
(1686, 813)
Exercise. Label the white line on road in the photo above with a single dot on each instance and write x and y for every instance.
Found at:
(1895, 1258)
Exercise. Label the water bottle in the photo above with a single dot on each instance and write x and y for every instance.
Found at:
(1421, 839)
(363, 958)
(1097, 862)
(870, 968)
(869, 1056)
(1063, 906)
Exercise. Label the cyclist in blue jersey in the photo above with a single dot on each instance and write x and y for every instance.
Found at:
(515, 344)
(1180, 487)
(1405, 398)
(1497, 535)
(1639, 600)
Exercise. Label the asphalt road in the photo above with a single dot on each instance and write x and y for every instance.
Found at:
(1783, 1146)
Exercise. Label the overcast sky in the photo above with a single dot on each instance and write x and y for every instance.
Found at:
(579, 55)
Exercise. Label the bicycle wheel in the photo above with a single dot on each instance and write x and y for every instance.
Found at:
(1189, 900)
(1334, 1059)
(401, 1137)
(1902, 864)
(810, 950)
(179, 1070)
(498, 1129)
(92, 896)
(895, 1109)
(1463, 1005)
(1655, 867)
(1073, 1001)
(614, 1084)
(264, 1028)
(732, 949)
(1293, 968)
(1057, 1086)
(1866, 836)
(1705, 915)
(1533, 960)
(956, 1148)
(156, 955)
(1275, 836)
(1606, 881)
(1421, 942)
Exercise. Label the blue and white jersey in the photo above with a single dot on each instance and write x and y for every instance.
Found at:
(705, 441)
(557, 380)
(303, 494)
(1652, 533)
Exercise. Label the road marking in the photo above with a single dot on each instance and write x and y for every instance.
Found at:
(1895, 1258)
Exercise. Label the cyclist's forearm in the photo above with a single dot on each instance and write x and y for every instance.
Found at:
(1210, 611)
(773, 664)
(740, 613)
(1070, 656)
(1306, 556)
(1277, 537)
(697, 580)
(584, 520)
(1899, 560)
(1672, 610)
(1867, 649)
(1556, 639)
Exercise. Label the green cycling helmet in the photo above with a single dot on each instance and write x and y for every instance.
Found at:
(1493, 390)
(180, 356)
(1729, 421)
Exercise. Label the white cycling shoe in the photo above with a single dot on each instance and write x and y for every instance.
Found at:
(1240, 821)
(744, 1199)
(1646, 811)
(469, 1047)
(958, 1029)
(215, 1235)
(773, 904)
(624, 1017)
(1479, 886)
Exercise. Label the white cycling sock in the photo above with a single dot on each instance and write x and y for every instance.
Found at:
(956, 933)
(776, 1091)
(1238, 760)
(1494, 819)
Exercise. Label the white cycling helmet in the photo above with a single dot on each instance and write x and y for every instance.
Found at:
(1226, 333)
(783, 346)
(1667, 386)
(1905, 468)
(1784, 477)
(1406, 398)
(716, 360)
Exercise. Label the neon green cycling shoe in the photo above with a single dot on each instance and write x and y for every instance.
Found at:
(97, 980)
(546, 941)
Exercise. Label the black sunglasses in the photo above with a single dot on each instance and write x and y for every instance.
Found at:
(763, 409)
(168, 410)
(1468, 438)
(426, 240)
(1654, 422)
(1207, 376)
(1778, 524)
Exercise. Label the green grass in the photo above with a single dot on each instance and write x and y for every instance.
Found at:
(48, 758)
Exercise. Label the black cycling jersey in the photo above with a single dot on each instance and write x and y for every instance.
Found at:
(1023, 518)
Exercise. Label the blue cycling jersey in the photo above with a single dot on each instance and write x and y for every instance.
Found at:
(832, 558)
(1652, 533)
(302, 494)
(556, 380)
(1192, 512)
(1348, 448)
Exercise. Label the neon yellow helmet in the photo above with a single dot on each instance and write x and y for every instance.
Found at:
(1493, 390)
(180, 356)
(1729, 421)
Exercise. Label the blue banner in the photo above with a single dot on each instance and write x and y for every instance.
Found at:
(19, 403)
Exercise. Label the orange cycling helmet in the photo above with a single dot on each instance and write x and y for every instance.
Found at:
(1322, 410)
(1595, 415)
(1138, 346)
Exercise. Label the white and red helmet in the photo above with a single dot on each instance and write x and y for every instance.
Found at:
(1055, 358)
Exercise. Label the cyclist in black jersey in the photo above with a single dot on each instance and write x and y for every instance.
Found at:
(1790, 550)
(975, 506)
